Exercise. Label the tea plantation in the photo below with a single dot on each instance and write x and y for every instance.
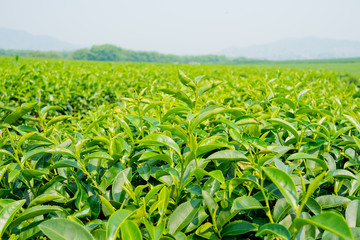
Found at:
(92, 150)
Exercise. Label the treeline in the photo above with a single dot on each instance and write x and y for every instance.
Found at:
(117, 54)
(113, 53)
(36, 54)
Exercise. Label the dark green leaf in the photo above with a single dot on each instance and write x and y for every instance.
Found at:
(328, 221)
(64, 229)
(183, 215)
(284, 183)
(7, 214)
(238, 227)
(274, 229)
(19, 112)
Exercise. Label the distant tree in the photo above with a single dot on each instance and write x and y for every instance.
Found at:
(82, 54)
(20, 53)
(107, 53)
(48, 54)
(113, 53)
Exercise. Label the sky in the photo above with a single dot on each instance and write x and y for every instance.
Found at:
(182, 27)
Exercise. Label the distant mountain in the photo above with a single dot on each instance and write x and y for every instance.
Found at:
(299, 48)
(286, 49)
(20, 40)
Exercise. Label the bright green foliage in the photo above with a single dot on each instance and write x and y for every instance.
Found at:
(140, 151)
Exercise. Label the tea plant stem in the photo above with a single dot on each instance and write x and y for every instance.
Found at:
(300, 140)
(268, 212)
(15, 150)
(182, 171)
(88, 174)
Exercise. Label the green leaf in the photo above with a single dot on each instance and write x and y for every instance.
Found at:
(126, 128)
(352, 213)
(31, 173)
(313, 205)
(246, 203)
(183, 97)
(44, 198)
(19, 112)
(7, 214)
(99, 234)
(205, 115)
(199, 218)
(114, 223)
(67, 163)
(3, 170)
(49, 108)
(155, 156)
(244, 120)
(180, 95)
(175, 111)
(29, 231)
(284, 183)
(57, 119)
(210, 202)
(144, 171)
(165, 196)
(64, 229)
(331, 201)
(208, 87)
(95, 205)
(206, 231)
(353, 121)
(118, 193)
(342, 173)
(154, 232)
(81, 195)
(286, 126)
(7, 153)
(101, 155)
(152, 192)
(224, 216)
(307, 232)
(286, 101)
(129, 230)
(216, 174)
(311, 189)
(33, 212)
(38, 137)
(357, 141)
(237, 228)
(61, 151)
(296, 156)
(160, 140)
(274, 229)
(228, 155)
(179, 236)
(356, 232)
(186, 80)
(183, 215)
(281, 208)
(328, 221)
(32, 153)
(109, 208)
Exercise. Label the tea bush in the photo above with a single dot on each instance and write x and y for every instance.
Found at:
(151, 151)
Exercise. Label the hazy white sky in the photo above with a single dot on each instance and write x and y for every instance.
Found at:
(182, 27)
